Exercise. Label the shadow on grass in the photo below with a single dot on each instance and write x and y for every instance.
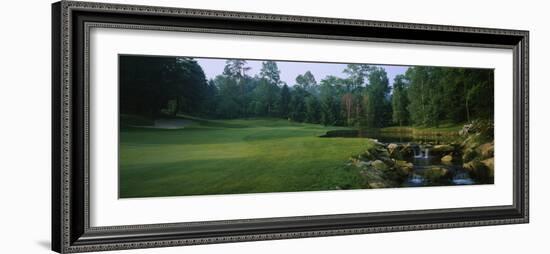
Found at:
(233, 176)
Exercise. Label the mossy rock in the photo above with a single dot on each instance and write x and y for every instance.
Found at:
(361, 163)
(382, 152)
(442, 149)
(374, 179)
(469, 155)
(447, 159)
(472, 142)
(380, 165)
(480, 171)
(437, 175)
(400, 151)
(367, 155)
(404, 166)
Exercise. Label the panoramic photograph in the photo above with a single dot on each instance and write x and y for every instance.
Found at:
(210, 126)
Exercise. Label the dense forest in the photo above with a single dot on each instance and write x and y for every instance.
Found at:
(155, 87)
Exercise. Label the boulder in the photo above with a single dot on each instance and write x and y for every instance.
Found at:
(465, 130)
(382, 151)
(469, 165)
(383, 155)
(392, 147)
(380, 165)
(490, 163)
(378, 169)
(447, 158)
(361, 164)
(436, 175)
(404, 166)
(393, 150)
(377, 143)
(472, 141)
(400, 151)
(469, 154)
(367, 155)
(442, 149)
(407, 151)
(480, 171)
(375, 179)
(487, 150)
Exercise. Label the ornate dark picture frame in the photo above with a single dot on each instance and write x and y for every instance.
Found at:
(71, 22)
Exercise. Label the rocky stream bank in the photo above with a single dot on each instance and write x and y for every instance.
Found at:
(386, 165)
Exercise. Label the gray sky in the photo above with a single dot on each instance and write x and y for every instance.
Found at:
(289, 70)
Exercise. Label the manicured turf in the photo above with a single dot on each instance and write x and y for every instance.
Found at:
(235, 156)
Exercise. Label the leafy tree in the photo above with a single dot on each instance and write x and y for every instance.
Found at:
(235, 68)
(375, 99)
(479, 100)
(266, 95)
(348, 106)
(454, 88)
(229, 97)
(438, 94)
(400, 100)
(157, 86)
(329, 100)
(160, 85)
(418, 94)
(284, 101)
(312, 109)
(353, 103)
(297, 104)
(191, 86)
(210, 103)
(307, 82)
(357, 74)
(270, 72)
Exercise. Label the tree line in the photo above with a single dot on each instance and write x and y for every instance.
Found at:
(427, 96)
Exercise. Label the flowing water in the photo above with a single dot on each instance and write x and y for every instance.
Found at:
(422, 159)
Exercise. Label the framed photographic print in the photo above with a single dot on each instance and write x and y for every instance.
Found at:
(181, 126)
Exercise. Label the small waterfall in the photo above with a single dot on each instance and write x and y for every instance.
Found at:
(421, 153)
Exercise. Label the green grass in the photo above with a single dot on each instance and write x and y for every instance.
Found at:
(443, 129)
(235, 156)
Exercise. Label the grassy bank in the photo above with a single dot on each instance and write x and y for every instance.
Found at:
(443, 130)
(235, 156)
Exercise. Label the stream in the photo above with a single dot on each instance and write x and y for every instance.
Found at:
(422, 159)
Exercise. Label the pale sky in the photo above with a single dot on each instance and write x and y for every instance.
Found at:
(290, 70)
